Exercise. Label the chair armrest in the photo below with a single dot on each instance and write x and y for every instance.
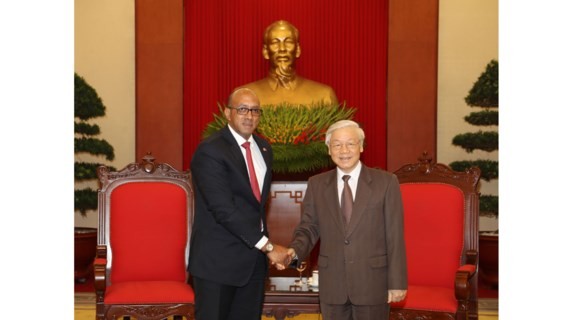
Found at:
(100, 271)
(463, 276)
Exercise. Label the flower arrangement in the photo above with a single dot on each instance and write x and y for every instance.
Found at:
(296, 133)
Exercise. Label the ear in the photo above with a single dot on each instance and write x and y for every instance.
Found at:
(298, 51)
(227, 113)
(265, 52)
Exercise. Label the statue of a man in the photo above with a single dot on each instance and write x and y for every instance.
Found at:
(281, 47)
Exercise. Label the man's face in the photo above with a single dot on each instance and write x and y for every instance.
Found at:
(281, 49)
(345, 149)
(245, 124)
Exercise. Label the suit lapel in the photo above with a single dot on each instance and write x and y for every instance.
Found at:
(331, 199)
(363, 193)
(235, 152)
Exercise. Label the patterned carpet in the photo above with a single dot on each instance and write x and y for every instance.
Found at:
(85, 308)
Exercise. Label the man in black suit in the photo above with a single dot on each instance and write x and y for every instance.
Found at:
(231, 173)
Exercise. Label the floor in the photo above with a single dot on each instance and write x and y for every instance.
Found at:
(85, 308)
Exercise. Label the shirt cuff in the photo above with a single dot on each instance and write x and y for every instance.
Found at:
(259, 245)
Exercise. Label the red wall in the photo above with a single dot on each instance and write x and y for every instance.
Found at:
(410, 82)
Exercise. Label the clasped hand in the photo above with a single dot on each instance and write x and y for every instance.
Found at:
(281, 256)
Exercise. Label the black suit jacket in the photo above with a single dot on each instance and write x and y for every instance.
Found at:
(227, 215)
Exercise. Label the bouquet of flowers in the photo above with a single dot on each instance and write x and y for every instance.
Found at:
(296, 133)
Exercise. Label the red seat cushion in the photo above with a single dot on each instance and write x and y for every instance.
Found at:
(429, 299)
(149, 292)
(433, 231)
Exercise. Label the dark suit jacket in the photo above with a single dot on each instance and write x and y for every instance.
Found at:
(227, 215)
(365, 259)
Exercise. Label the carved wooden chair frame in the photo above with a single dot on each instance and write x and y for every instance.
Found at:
(145, 171)
(465, 282)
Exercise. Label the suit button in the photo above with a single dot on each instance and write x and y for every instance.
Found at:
(346, 242)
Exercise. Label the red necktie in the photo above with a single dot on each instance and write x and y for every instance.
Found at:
(346, 200)
(252, 176)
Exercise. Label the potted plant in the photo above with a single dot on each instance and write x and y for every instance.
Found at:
(88, 105)
(484, 95)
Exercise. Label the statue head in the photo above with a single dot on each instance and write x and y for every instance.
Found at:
(281, 47)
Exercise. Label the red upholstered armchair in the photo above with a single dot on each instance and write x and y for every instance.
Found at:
(441, 224)
(145, 215)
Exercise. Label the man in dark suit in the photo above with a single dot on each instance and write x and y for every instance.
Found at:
(362, 258)
(231, 173)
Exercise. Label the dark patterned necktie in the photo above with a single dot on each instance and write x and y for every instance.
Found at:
(346, 201)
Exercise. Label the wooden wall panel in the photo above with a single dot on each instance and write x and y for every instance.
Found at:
(412, 80)
(159, 28)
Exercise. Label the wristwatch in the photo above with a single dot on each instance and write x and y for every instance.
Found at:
(268, 247)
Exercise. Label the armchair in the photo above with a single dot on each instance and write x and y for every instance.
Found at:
(145, 216)
(441, 224)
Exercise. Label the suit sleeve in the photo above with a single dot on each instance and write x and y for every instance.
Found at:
(397, 267)
(306, 234)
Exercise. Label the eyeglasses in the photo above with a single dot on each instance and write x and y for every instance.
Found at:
(336, 146)
(256, 112)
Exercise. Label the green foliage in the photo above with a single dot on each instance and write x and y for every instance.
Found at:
(88, 105)
(482, 140)
(85, 199)
(87, 129)
(485, 92)
(94, 147)
(483, 118)
(489, 168)
(489, 206)
(296, 133)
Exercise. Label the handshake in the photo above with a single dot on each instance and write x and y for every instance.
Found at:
(281, 257)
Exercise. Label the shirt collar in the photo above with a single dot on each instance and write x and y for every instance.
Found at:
(240, 140)
(354, 174)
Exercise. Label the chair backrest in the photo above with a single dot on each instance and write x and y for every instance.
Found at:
(441, 220)
(145, 217)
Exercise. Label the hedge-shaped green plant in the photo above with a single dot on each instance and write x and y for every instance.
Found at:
(296, 133)
(482, 140)
(489, 168)
(483, 118)
(483, 94)
(489, 206)
(88, 105)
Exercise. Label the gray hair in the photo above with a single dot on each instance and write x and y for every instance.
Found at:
(344, 124)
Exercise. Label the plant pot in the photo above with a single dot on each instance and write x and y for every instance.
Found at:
(85, 251)
(489, 260)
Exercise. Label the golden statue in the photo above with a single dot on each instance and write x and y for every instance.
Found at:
(281, 47)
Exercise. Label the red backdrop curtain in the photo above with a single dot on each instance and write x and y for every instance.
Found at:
(343, 44)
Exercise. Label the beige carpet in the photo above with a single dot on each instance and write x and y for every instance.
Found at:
(85, 309)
